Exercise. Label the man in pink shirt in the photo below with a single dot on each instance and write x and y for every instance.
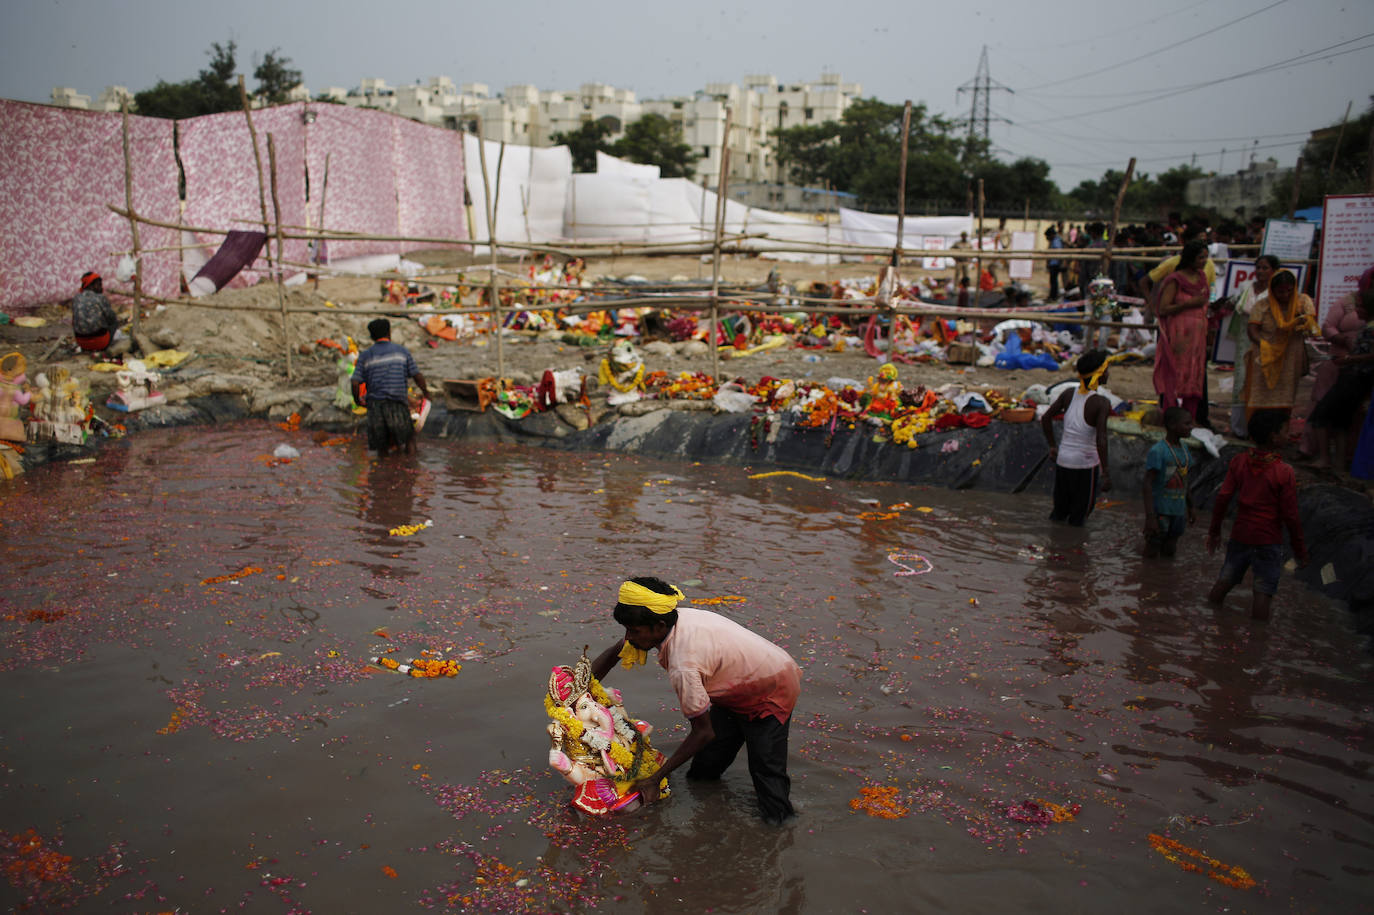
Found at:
(737, 689)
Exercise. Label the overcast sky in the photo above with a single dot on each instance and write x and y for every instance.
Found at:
(1094, 82)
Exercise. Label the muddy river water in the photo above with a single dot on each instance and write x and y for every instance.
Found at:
(995, 712)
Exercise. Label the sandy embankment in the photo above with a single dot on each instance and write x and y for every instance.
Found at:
(242, 351)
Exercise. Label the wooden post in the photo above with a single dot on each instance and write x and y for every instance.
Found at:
(1336, 148)
(281, 293)
(901, 186)
(721, 185)
(701, 213)
(324, 196)
(1116, 218)
(1297, 186)
(257, 160)
(829, 203)
(500, 165)
(978, 257)
(1370, 179)
(134, 333)
(494, 283)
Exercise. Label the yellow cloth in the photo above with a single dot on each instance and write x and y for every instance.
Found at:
(640, 596)
(165, 358)
(1299, 317)
(107, 367)
(1090, 381)
(632, 657)
(1168, 266)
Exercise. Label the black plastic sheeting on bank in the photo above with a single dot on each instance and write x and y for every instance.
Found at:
(1003, 457)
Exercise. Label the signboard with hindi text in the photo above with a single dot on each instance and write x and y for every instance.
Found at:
(1288, 240)
(934, 243)
(1347, 247)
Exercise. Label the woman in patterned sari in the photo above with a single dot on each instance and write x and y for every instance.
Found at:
(1181, 356)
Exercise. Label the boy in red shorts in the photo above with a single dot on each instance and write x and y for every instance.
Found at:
(1266, 494)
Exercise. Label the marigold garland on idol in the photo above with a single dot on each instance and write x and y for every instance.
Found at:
(595, 745)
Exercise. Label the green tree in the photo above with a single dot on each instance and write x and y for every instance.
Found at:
(584, 142)
(1147, 197)
(275, 77)
(1350, 175)
(861, 154)
(213, 91)
(1011, 186)
(655, 140)
(1171, 189)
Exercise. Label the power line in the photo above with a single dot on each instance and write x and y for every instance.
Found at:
(1210, 152)
(1176, 140)
(1177, 44)
(1293, 61)
(1269, 68)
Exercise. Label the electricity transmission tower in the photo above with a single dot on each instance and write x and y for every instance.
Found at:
(982, 86)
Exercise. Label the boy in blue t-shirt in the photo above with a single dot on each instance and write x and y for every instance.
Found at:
(1168, 502)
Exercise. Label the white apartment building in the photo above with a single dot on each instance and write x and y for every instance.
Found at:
(67, 97)
(524, 115)
(111, 98)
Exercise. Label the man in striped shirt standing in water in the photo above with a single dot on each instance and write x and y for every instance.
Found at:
(385, 368)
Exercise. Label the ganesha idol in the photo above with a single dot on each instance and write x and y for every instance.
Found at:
(595, 744)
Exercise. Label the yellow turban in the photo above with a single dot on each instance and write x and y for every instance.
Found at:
(640, 596)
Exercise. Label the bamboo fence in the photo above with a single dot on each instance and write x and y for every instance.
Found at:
(710, 298)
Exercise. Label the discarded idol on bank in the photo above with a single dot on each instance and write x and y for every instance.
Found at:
(61, 412)
(13, 395)
(595, 744)
(135, 390)
(623, 370)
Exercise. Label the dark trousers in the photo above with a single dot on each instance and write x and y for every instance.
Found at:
(1054, 281)
(766, 740)
(1075, 492)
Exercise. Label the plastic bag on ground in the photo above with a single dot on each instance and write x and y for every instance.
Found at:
(731, 398)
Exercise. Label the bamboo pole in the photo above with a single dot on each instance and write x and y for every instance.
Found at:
(1336, 148)
(494, 287)
(257, 159)
(281, 293)
(1297, 186)
(1369, 179)
(324, 196)
(656, 248)
(721, 185)
(865, 308)
(978, 257)
(901, 184)
(1116, 216)
(134, 330)
(829, 204)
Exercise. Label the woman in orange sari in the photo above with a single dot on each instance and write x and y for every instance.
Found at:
(1181, 354)
(1279, 324)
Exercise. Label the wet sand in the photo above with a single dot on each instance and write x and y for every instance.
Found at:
(1031, 710)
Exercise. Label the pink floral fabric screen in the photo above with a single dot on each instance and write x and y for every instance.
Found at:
(361, 191)
(386, 176)
(222, 178)
(429, 182)
(61, 167)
